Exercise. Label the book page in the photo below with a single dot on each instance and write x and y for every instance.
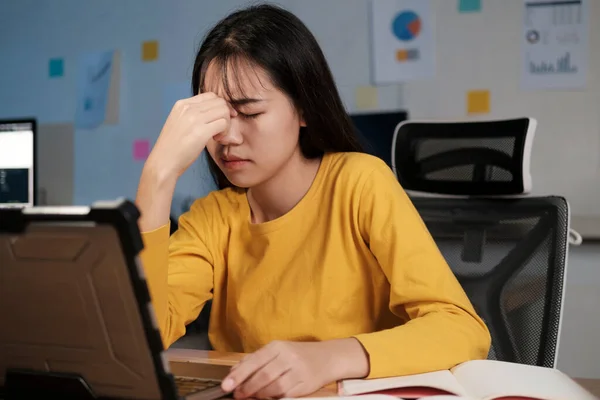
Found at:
(361, 397)
(490, 379)
(447, 397)
(441, 380)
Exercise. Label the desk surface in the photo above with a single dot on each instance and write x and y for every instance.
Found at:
(230, 359)
(220, 358)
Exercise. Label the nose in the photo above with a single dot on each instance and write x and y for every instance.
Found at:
(233, 136)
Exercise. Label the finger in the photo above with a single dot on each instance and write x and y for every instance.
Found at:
(211, 115)
(215, 127)
(214, 102)
(217, 102)
(269, 374)
(211, 101)
(251, 364)
(198, 99)
(278, 387)
(296, 390)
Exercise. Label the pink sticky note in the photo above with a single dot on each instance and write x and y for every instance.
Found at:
(141, 149)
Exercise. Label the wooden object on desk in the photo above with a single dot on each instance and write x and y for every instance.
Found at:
(177, 357)
(204, 356)
(182, 359)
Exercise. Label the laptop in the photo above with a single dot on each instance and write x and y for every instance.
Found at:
(75, 310)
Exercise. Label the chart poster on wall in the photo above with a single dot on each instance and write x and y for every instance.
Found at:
(98, 89)
(403, 40)
(555, 44)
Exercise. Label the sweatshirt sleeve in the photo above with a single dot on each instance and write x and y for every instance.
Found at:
(179, 274)
(441, 328)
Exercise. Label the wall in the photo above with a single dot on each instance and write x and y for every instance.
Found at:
(480, 50)
(474, 51)
(579, 353)
(37, 31)
(483, 51)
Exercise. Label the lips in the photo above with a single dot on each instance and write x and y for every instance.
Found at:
(233, 159)
(233, 162)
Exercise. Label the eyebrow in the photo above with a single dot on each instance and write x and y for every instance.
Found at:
(244, 101)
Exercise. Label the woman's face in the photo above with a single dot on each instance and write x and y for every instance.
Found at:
(263, 134)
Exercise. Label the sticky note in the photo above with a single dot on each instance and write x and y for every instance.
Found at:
(478, 102)
(407, 55)
(56, 68)
(141, 149)
(150, 50)
(366, 97)
(468, 6)
(98, 89)
(402, 55)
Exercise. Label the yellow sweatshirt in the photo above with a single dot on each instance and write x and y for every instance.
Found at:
(351, 259)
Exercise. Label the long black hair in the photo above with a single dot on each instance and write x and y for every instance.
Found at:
(277, 41)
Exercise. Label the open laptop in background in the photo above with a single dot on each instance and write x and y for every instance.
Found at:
(18, 163)
(75, 310)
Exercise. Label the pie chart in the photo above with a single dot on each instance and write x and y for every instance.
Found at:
(406, 25)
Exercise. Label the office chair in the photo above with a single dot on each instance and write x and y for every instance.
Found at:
(469, 181)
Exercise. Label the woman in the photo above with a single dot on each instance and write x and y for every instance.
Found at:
(316, 261)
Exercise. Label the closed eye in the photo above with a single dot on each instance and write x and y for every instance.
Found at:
(249, 116)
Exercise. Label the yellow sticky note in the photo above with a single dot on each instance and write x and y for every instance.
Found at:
(366, 97)
(478, 102)
(402, 55)
(150, 50)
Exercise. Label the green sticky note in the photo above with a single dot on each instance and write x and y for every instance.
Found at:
(56, 68)
(468, 6)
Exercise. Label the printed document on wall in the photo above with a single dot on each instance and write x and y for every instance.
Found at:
(403, 40)
(555, 44)
(98, 89)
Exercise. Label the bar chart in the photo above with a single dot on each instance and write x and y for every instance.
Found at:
(555, 44)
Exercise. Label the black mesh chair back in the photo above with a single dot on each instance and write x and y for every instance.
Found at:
(509, 256)
(479, 158)
(508, 251)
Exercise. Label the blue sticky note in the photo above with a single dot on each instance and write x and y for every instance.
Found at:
(56, 68)
(93, 89)
(467, 6)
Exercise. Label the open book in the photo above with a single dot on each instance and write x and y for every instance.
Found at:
(475, 380)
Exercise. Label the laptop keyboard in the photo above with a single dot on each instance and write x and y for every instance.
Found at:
(188, 385)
